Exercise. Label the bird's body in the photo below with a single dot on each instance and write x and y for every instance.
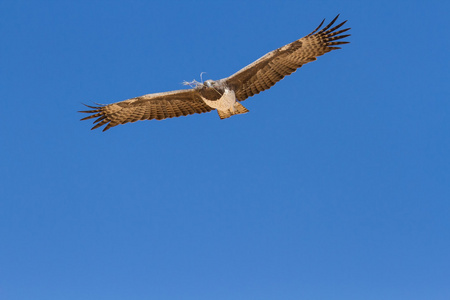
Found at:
(217, 95)
(225, 94)
(226, 102)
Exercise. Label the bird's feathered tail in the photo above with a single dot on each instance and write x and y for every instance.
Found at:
(236, 110)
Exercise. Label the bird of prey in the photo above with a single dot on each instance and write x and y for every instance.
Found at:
(225, 94)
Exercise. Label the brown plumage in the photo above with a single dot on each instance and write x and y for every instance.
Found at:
(148, 107)
(222, 94)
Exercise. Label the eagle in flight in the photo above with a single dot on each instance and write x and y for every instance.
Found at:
(225, 94)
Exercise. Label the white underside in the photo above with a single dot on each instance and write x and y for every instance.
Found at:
(225, 103)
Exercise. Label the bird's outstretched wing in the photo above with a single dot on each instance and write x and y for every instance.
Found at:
(272, 67)
(152, 106)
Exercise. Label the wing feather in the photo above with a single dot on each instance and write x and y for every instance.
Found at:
(275, 65)
(260, 75)
(152, 106)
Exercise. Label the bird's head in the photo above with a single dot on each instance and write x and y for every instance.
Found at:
(209, 83)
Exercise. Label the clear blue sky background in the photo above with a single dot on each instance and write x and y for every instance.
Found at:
(336, 185)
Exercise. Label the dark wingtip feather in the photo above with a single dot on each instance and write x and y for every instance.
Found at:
(94, 107)
(339, 32)
(318, 27)
(335, 38)
(339, 43)
(100, 119)
(90, 106)
(96, 112)
(329, 25)
(329, 34)
(87, 118)
(107, 127)
(332, 30)
(97, 126)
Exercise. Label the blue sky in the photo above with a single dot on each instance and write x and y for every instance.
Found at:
(336, 184)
